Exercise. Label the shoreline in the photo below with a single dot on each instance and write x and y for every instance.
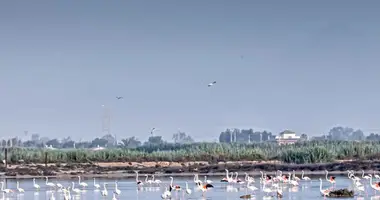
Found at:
(163, 169)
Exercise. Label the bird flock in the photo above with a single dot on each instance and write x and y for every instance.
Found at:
(271, 186)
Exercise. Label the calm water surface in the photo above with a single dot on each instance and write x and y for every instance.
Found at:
(222, 191)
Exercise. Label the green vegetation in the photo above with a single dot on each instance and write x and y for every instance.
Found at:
(304, 152)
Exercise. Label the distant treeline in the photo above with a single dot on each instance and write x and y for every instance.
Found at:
(302, 152)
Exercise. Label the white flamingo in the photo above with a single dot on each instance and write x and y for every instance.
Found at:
(35, 185)
(325, 192)
(207, 181)
(331, 179)
(66, 195)
(227, 178)
(305, 178)
(196, 179)
(138, 182)
(146, 179)
(104, 191)
(75, 189)
(366, 176)
(96, 186)
(295, 177)
(251, 187)
(117, 191)
(267, 190)
(188, 191)
(114, 197)
(49, 184)
(291, 181)
(52, 196)
(83, 184)
(156, 181)
(19, 189)
(376, 186)
(237, 180)
(166, 194)
(5, 190)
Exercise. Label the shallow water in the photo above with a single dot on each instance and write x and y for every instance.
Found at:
(221, 191)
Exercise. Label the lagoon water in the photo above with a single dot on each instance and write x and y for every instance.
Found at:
(221, 191)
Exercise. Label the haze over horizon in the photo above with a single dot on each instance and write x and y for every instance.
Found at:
(303, 66)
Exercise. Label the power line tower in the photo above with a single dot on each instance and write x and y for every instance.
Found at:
(106, 120)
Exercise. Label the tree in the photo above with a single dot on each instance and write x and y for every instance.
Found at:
(304, 137)
(182, 138)
(54, 143)
(155, 140)
(131, 142)
(97, 142)
(345, 133)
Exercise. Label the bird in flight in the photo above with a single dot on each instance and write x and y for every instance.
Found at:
(211, 84)
(151, 131)
(119, 97)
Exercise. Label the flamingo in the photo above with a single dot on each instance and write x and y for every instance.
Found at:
(251, 187)
(196, 179)
(323, 192)
(117, 191)
(376, 175)
(305, 178)
(175, 187)
(60, 186)
(66, 195)
(375, 186)
(188, 191)
(267, 190)
(237, 180)
(75, 189)
(146, 179)
(19, 189)
(360, 187)
(156, 181)
(332, 178)
(167, 193)
(35, 185)
(104, 191)
(365, 177)
(5, 190)
(138, 182)
(291, 181)
(114, 196)
(49, 184)
(83, 184)
(227, 178)
(204, 187)
(96, 186)
(295, 177)
(207, 181)
(52, 196)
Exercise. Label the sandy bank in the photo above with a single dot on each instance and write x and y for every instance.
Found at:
(127, 169)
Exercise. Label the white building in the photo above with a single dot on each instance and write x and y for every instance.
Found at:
(287, 137)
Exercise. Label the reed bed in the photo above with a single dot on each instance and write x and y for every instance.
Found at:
(299, 153)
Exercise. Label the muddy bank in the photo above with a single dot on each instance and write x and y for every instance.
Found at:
(188, 168)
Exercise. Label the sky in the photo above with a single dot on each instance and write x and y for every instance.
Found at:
(300, 65)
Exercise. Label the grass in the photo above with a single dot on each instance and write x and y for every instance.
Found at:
(300, 153)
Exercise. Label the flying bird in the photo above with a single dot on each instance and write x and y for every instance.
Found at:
(153, 129)
(119, 97)
(211, 84)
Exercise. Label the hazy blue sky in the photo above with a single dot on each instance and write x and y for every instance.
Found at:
(306, 66)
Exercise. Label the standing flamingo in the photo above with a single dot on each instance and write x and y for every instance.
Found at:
(325, 192)
(331, 179)
(83, 184)
(139, 183)
(35, 185)
(305, 178)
